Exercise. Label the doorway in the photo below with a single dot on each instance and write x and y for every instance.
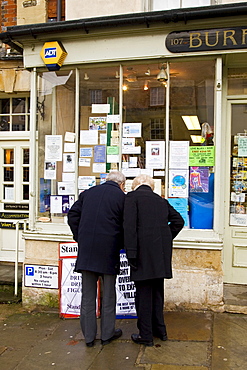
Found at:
(235, 250)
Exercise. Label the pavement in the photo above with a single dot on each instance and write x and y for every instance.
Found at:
(197, 341)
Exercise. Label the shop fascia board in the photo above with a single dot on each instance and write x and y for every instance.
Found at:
(14, 35)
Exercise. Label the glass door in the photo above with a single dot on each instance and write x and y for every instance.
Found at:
(235, 253)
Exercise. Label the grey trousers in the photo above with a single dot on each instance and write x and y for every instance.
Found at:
(88, 305)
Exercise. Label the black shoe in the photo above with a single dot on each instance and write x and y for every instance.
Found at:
(90, 344)
(138, 340)
(161, 336)
(118, 333)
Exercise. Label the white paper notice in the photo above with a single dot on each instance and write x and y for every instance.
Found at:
(50, 170)
(53, 147)
(84, 162)
(133, 162)
(132, 129)
(179, 154)
(101, 108)
(112, 158)
(99, 167)
(155, 154)
(89, 137)
(56, 204)
(178, 183)
(69, 136)
(66, 188)
(113, 118)
(238, 219)
(86, 182)
(9, 193)
(69, 162)
(68, 177)
(69, 147)
(102, 139)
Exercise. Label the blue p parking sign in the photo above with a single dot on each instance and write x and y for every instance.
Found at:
(29, 271)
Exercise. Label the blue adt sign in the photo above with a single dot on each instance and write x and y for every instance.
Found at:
(29, 271)
(50, 53)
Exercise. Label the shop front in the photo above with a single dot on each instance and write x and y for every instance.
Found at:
(142, 100)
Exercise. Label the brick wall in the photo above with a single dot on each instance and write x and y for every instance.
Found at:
(8, 14)
(9, 11)
(52, 9)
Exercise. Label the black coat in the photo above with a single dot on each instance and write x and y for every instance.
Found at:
(150, 224)
(96, 221)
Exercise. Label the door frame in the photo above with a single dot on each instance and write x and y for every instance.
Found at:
(234, 237)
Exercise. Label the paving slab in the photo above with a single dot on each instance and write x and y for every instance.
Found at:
(229, 342)
(186, 326)
(117, 355)
(177, 353)
(175, 367)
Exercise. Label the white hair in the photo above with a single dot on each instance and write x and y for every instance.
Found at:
(142, 180)
(116, 176)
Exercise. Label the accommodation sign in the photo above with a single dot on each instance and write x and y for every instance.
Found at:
(207, 40)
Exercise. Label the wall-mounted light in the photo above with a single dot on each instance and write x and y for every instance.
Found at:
(117, 75)
(162, 76)
(148, 72)
(125, 87)
(192, 122)
(86, 76)
(145, 87)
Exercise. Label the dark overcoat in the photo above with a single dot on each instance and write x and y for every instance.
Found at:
(96, 221)
(150, 224)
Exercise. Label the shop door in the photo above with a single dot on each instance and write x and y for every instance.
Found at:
(14, 197)
(235, 244)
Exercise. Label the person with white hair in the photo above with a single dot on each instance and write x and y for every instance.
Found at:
(150, 225)
(96, 221)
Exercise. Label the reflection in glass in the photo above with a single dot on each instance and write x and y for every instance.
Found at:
(8, 156)
(4, 123)
(8, 173)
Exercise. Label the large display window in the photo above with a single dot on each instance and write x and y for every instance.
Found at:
(153, 117)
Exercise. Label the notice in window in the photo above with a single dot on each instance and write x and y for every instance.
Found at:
(132, 129)
(178, 183)
(179, 154)
(155, 154)
(202, 156)
(53, 147)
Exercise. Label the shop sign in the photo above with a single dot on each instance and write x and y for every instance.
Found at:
(207, 40)
(53, 55)
(16, 206)
(8, 215)
(41, 276)
(10, 225)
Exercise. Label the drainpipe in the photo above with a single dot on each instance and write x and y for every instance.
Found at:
(59, 10)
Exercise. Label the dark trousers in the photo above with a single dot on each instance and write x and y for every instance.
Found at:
(88, 319)
(149, 306)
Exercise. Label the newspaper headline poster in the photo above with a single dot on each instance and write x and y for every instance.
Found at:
(125, 290)
(70, 285)
(69, 281)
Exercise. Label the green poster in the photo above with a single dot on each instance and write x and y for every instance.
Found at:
(201, 156)
(112, 150)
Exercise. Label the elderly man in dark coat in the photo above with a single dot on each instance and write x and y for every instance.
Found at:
(96, 221)
(150, 224)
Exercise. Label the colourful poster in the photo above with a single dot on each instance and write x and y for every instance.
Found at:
(202, 156)
(199, 179)
(180, 205)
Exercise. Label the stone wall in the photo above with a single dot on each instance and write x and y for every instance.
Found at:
(197, 278)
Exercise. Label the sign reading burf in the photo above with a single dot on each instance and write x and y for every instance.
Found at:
(207, 40)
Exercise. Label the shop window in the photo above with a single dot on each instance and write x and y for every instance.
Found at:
(14, 114)
(96, 96)
(176, 4)
(237, 81)
(15, 174)
(157, 96)
(175, 146)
